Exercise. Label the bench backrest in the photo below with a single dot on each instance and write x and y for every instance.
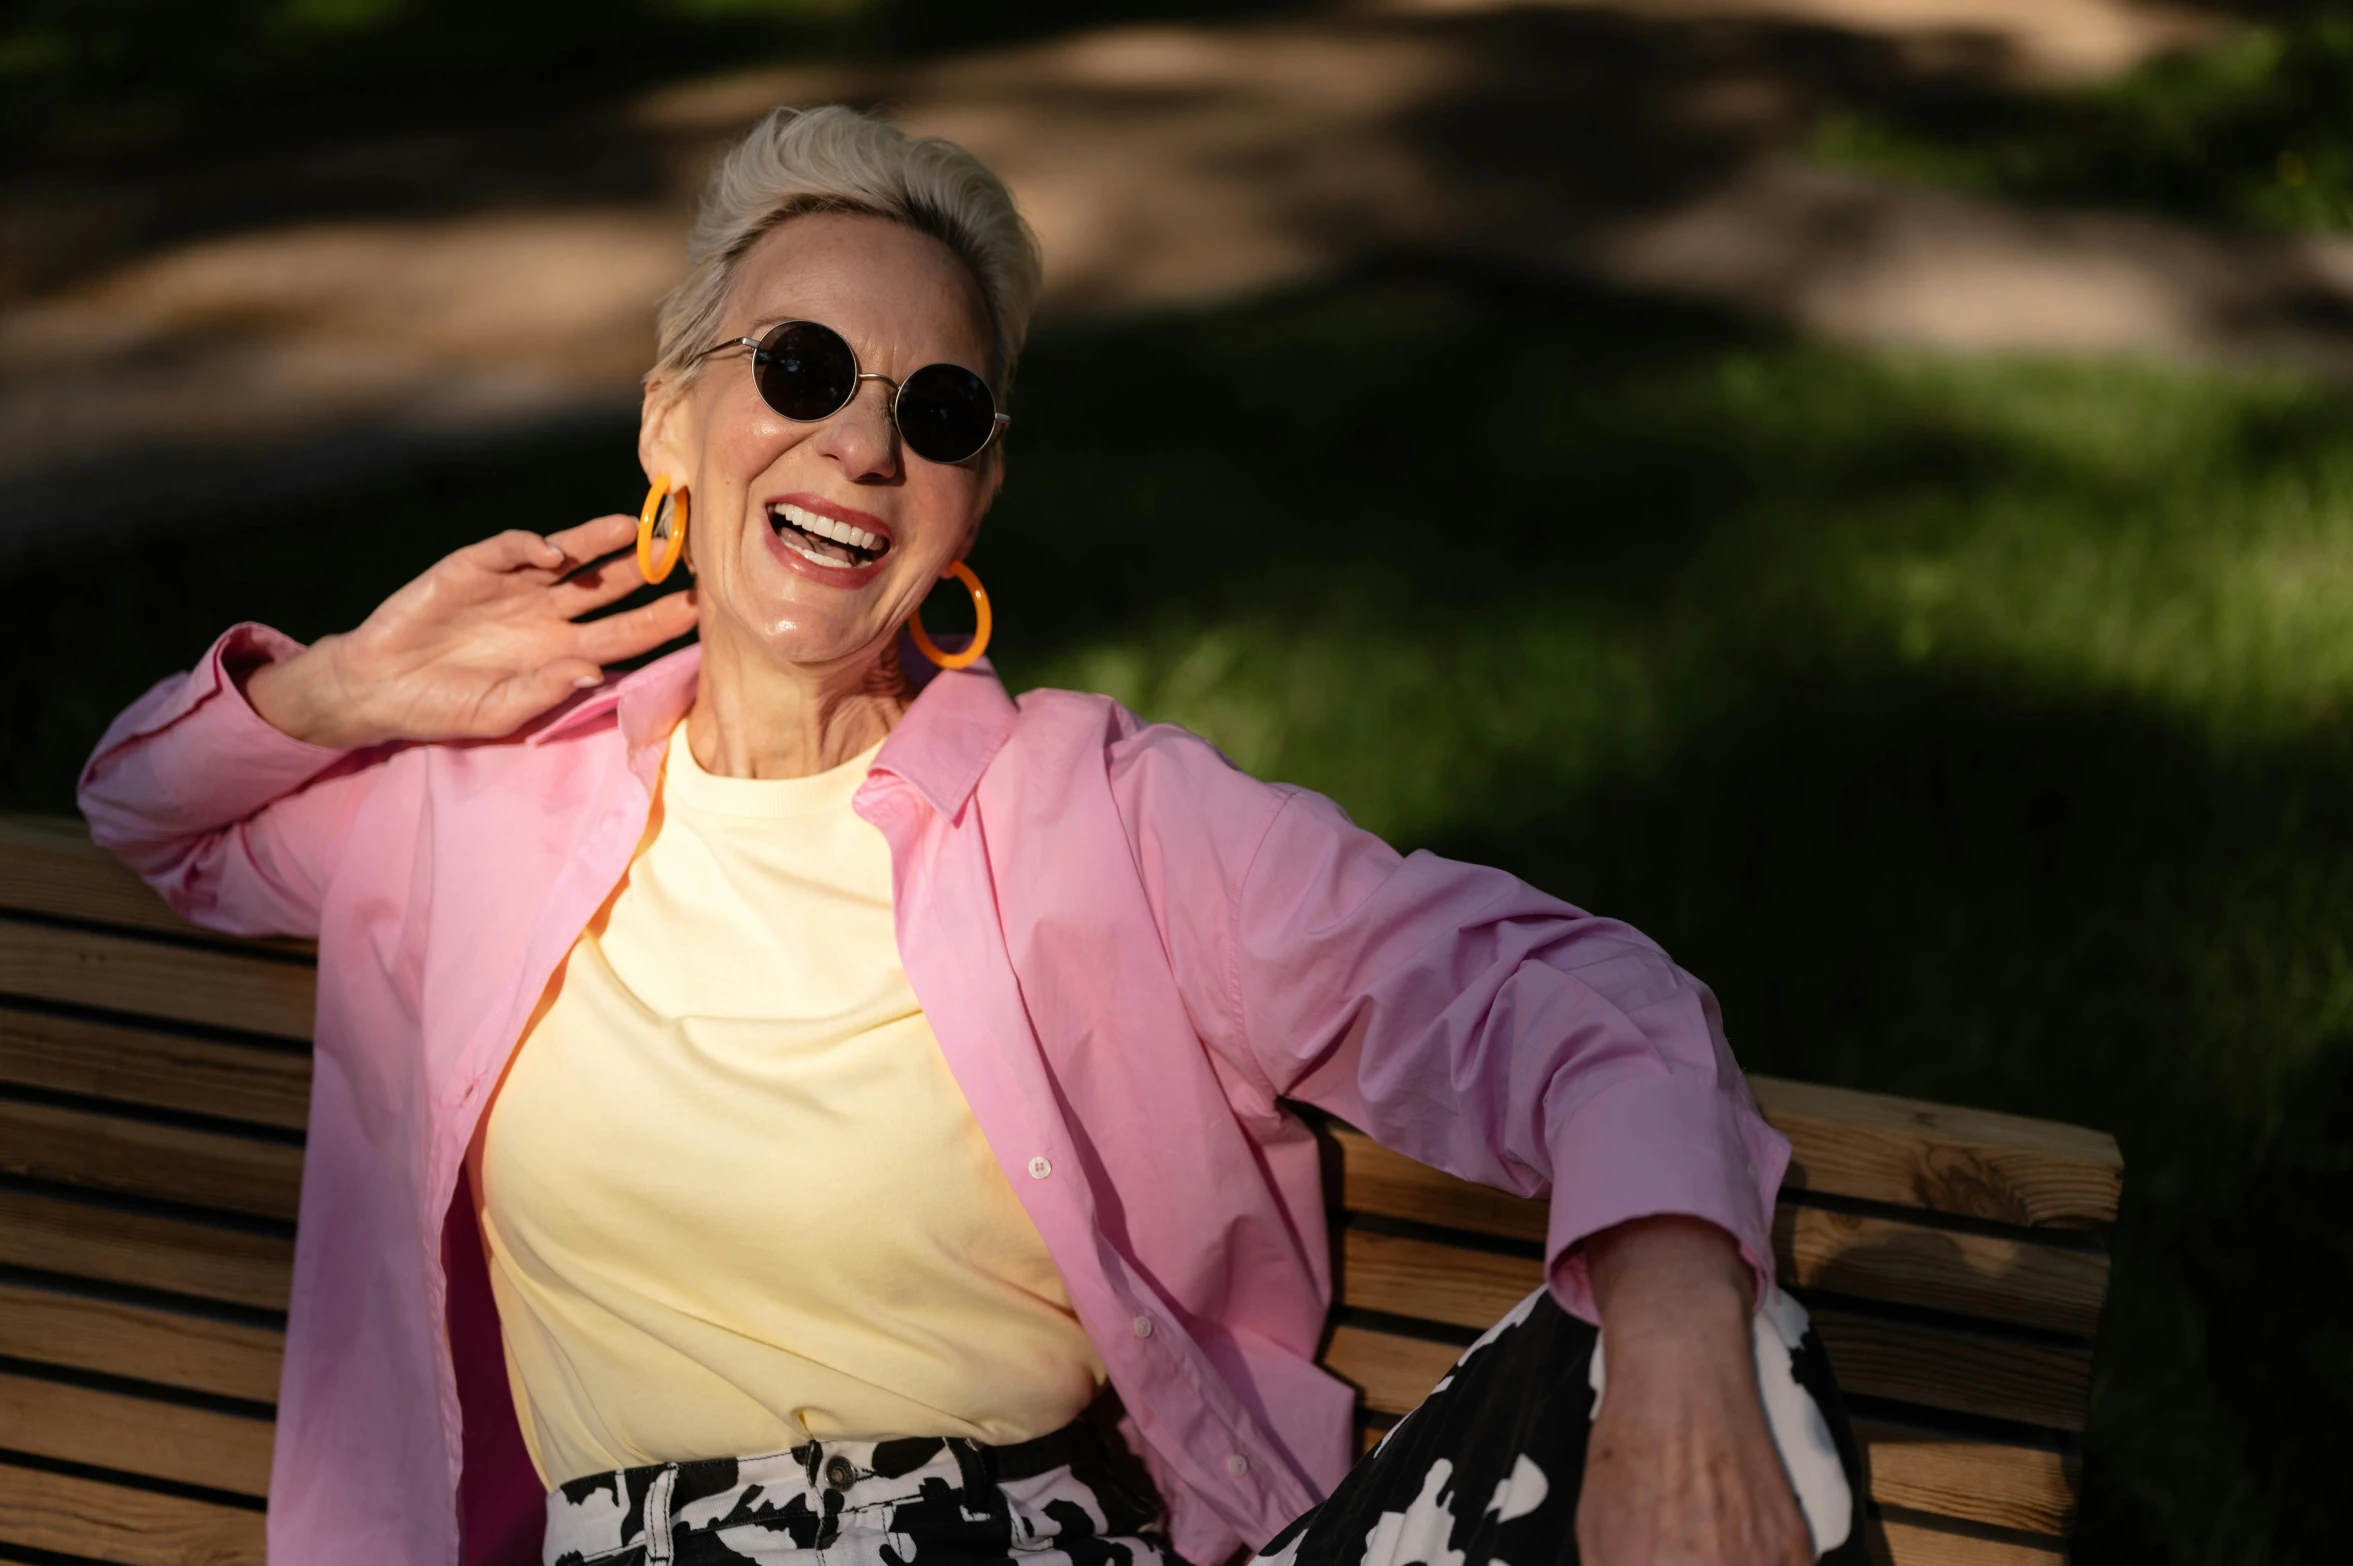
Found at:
(153, 1087)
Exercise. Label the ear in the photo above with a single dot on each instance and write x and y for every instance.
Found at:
(991, 484)
(664, 433)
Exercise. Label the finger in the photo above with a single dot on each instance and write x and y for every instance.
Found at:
(595, 538)
(513, 550)
(593, 587)
(625, 635)
(519, 698)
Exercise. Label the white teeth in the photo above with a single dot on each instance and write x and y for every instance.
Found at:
(806, 553)
(818, 526)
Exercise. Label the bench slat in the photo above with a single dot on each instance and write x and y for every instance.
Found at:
(1990, 1277)
(134, 1435)
(110, 1522)
(2032, 1489)
(1402, 1276)
(1915, 1544)
(48, 865)
(78, 1240)
(226, 989)
(141, 1158)
(1968, 1162)
(1996, 1278)
(1375, 1180)
(1958, 1371)
(1394, 1372)
(2002, 1168)
(140, 1342)
(1935, 1367)
(135, 1065)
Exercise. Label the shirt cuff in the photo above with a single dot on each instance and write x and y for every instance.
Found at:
(1661, 1146)
(246, 762)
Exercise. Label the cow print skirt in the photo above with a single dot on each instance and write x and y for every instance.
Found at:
(1484, 1473)
(1486, 1470)
(1073, 1498)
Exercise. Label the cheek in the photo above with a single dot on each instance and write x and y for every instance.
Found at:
(942, 506)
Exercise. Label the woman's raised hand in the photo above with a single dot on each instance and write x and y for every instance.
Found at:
(483, 642)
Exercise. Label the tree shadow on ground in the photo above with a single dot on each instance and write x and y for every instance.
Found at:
(2245, 132)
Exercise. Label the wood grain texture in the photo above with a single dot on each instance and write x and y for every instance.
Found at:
(1902, 1362)
(1986, 1277)
(78, 1240)
(135, 1065)
(1429, 1281)
(201, 1353)
(126, 973)
(109, 1522)
(1393, 1372)
(1972, 1163)
(134, 1435)
(1916, 1544)
(2032, 1489)
(48, 865)
(175, 1163)
(1956, 1370)
(1376, 1180)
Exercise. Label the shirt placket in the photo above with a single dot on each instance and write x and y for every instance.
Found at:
(1177, 1397)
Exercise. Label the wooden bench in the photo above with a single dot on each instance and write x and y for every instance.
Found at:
(153, 1084)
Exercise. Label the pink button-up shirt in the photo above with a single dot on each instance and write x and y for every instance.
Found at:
(1131, 954)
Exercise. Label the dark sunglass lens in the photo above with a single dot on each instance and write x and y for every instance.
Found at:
(805, 371)
(946, 413)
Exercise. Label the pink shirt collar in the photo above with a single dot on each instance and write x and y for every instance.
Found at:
(958, 722)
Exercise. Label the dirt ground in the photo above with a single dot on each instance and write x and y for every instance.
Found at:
(272, 317)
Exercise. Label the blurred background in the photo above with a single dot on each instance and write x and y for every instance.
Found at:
(1861, 488)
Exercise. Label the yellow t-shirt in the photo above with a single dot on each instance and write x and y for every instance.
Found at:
(732, 1197)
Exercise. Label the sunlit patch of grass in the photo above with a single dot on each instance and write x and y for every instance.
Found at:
(2248, 131)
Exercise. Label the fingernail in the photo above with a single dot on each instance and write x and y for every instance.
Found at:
(588, 682)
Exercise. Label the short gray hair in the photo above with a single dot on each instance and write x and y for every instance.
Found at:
(835, 159)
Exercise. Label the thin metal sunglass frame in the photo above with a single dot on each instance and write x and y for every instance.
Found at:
(1000, 422)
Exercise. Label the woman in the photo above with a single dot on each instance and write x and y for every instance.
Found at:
(771, 1104)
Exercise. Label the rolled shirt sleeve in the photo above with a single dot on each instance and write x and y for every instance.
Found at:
(236, 824)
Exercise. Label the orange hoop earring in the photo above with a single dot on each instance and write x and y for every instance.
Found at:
(981, 625)
(661, 521)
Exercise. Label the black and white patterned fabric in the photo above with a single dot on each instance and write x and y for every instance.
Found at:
(1487, 1470)
(1484, 1473)
(1074, 1498)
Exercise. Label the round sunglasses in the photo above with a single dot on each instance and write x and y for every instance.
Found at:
(807, 372)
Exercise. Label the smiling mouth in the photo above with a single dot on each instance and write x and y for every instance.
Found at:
(823, 539)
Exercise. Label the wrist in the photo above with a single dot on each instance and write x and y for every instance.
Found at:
(1670, 1279)
(299, 697)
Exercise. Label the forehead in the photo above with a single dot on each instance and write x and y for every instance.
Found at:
(893, 292)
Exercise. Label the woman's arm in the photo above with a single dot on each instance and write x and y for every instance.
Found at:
(230, 789)
(1681, 1466)
(1473, 1023)
(1450, 1011)
(232, 821)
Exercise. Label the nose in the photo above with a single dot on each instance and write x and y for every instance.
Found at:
(861, 437)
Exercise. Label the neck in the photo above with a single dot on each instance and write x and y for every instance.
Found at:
(755, 718)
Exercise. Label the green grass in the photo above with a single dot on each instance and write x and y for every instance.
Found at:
(2252, 131)
(1977, 728)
